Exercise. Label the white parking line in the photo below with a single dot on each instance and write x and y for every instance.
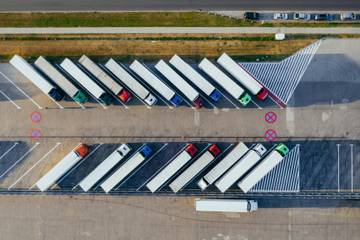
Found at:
(208, 101)
(18, 88)
(338, 166)
(174, 156)
(82, 106)
(156, 153)
(12, 166)
(77, 165)
(116, 97)
(256, 104)
(33, 166)
(272, 99)
(352, 166)
(117, 168)
(230, 101)
(9, 99)
(7, 151)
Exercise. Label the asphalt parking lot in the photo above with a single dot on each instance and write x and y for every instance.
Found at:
(332, 166)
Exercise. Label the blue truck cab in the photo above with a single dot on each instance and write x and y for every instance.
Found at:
(176, 100)
(146, 151)
(215, 95)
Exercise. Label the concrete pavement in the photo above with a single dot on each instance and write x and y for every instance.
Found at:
(86, 217)
(193, 5)
(209, 30)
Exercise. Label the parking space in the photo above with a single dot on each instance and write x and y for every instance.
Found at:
(323, 166)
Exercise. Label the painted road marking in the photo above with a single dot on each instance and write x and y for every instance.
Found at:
(35, 117)
(270, 117)
(256, 104)
(8, 98)
(230, 101)
(270, 135)
(77, 165)
(3, 155)
(18, 88)
(338, 166)
(122, 160)
(138, 168)
(33, 166)
(352, 166)
(165, 164)
(12, 166)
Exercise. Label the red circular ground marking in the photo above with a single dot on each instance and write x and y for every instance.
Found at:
(270, 117)
(270, 135)
(35, 117)
(36, 134)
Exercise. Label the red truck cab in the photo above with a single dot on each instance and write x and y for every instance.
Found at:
(124, 95)
(214, 150)
(191, 149)
(82, 150)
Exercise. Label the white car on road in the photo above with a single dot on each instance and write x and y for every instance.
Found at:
(281, 16)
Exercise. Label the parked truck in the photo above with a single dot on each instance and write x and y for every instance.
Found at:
(249, 160)
(65, 84)
(195, 168)
(151, 79)
(179, 83)
(129, 81)
(225, 205)
(62, 167)
(125, 169)
(263, 168)
(118, 90)
(104, 167)
(229, 160)
(224, 81)
(172, 168)
(39, 81)
(195, 77)
(84, 80)
(243, 76)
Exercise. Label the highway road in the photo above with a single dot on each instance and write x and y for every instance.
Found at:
(188, 5)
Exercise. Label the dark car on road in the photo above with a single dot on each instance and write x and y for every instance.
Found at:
(251, 15)
(322, 17)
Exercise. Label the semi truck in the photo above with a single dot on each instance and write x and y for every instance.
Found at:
(224, 81)
(125, 169)
(229, 160)
(104, 167)
(179, 83)
(195, 77)
(173, 167)
(84, 80)
(65, 84)
(62, 167)
(118, 90)
(249, 160)
(151, 79)
(244, 77)
(195, 168)
(39, 81)
(130, 82)
(225, 205)
(263, 168)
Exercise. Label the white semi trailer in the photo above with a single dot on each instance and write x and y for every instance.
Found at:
(224, 81)
(62, 167)
(195, 77)
(225, 205)
(179, 83)
(130, 82)
(125, 169)
(151, 79)
(68, 87)
(103, 77)
(263, 168)
(104, 167)
(216, 172)
(174, 166)
(249, 160)
(76, 73)
(196, 167)
(39, 81)
(245, 78)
